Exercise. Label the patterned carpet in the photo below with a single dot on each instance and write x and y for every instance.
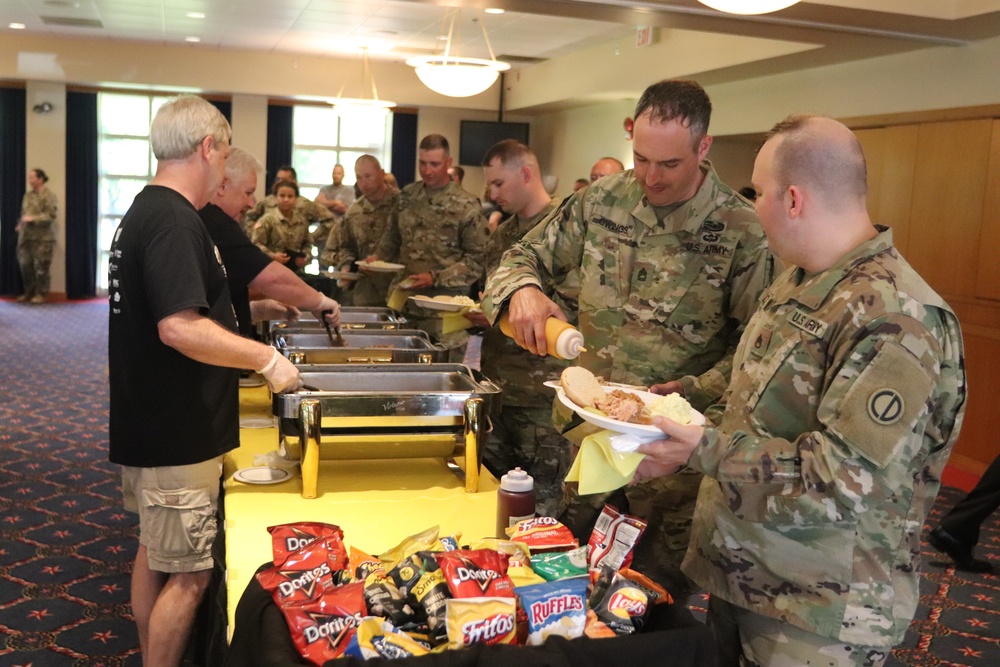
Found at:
(66, 546)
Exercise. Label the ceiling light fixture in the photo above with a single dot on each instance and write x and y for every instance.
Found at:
(192, 39)
(195, 15)
(16, 26)
(453, 75)
(366, 86)
(748, 6)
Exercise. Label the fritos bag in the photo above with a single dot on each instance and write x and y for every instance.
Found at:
(483, 620)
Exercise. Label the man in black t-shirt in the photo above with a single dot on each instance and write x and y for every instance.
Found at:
(247, 267)
(173, 359)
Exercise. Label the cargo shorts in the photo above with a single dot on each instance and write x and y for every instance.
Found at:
(177, 507)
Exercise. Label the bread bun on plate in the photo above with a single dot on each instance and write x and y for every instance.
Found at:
(581, 386)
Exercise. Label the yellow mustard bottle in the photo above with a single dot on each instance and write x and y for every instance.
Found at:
(562, 339)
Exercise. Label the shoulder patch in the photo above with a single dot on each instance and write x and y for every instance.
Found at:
(879, 411)
(807, 323)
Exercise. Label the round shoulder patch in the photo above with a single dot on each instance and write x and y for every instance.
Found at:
(886, 406)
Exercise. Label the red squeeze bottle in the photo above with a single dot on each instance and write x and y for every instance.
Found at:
(515, 500)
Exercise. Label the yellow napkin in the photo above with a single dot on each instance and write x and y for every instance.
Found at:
(598, 468)
(398, 298)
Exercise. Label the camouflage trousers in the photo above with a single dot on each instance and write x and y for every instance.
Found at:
(524, 437)
(751, 640)
(35, 258)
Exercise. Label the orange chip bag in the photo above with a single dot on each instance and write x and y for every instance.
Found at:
(543, 533)
(483, 620)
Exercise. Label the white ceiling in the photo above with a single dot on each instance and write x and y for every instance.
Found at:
(528, 31)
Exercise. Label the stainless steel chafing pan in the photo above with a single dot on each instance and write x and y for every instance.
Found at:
(353, 317)
(363, 347)
(391, 411)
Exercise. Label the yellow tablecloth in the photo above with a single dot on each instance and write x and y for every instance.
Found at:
(377, 503)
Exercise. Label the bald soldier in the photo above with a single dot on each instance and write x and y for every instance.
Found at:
(671, 263)
(605, 167)
(362, 229)
(848, 396)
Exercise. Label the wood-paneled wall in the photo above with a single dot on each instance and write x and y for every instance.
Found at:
(938, 185)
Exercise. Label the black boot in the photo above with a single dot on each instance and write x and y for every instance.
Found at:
(941, 540)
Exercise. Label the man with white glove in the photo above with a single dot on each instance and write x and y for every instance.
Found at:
(174, 356)
(249, 271)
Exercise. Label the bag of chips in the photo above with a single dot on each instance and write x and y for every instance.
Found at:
(482, 620)
(542, 533)
(322, 628)
(305, 574)
(560, 564)
(623, 603)
(287, 538)
(614, 538)
(378, 638)
(472, 573)
(555, 608)
(420, 580)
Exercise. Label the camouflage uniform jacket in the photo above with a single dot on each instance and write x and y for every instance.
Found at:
(519, 372)
(658, 301)
(357, 237)
(273, 233)
(848, 397)
(304, 208)
(43, 207)
(443, 232)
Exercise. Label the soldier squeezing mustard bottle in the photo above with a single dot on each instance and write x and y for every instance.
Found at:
(671, 263)
(848, 396)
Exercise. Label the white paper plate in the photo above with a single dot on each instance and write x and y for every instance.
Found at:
(644, 431)
(438, 304)
(256, 422)
(386, 267)
(261, 475)
(252, 381)
(342, 275)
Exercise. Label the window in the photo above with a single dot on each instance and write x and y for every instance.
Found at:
(323, 136)
(125, 163)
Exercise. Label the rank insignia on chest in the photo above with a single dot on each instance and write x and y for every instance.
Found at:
(807, 323)
(761, 340)
(641, 277)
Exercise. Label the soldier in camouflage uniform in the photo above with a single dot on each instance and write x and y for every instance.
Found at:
(439, 236)
(360, 232)
(283, 233)
(523, 435)
(848, 397)
(671, 264)
(35, 238)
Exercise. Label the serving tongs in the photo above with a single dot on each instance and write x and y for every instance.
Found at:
(339, 340)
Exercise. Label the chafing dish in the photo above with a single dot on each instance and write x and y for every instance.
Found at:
(312, 346)
(354, 317)
(388, 411)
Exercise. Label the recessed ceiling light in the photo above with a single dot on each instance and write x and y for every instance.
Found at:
(192, 39)
(493, 10)
(195, 15)
(16, 26)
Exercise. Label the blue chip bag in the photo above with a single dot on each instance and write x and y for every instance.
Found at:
(555, 608)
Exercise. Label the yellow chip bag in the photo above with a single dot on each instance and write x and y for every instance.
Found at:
(480, 621)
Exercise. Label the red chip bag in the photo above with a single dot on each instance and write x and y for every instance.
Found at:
(305, 575)
(290, 537)
(543, 533)
(614, 538)
(474, 573)
(322, 628)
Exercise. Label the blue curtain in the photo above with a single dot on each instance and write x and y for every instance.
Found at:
(279, 139)
(13, 183)
(226, 108)
(404, 147)
(81, 195)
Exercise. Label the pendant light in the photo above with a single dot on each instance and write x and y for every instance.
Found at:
(367, 87)
(748, 6)
(449, 73)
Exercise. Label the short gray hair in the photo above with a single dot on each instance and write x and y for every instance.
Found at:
(182, 123)
(241, 163)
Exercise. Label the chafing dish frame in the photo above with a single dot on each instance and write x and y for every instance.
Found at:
(364, 424)
(320, 354)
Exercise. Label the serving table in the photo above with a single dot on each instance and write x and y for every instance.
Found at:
(377, 503)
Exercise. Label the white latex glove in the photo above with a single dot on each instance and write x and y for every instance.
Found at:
(326, 303)
(281, 374)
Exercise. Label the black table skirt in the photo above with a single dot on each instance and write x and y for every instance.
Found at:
(672, 636)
